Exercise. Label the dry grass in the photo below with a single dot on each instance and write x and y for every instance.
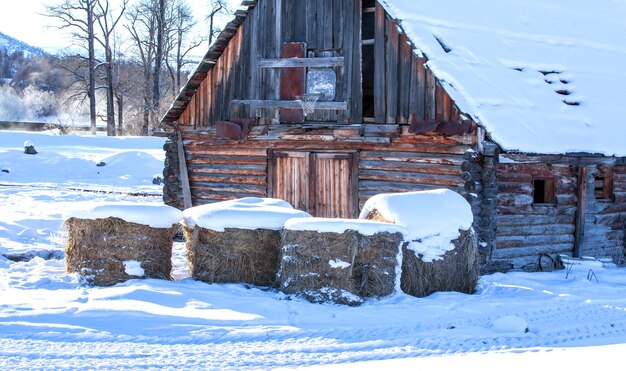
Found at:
(97, 249)
(457, 271)
(233, 256)
(306, 269)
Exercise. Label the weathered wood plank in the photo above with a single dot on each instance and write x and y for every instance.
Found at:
(184, 175)
(410, 167)
(274, 104)
(380, 108)
(302, 62)
(391, 71)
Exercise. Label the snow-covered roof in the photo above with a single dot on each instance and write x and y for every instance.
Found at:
(542, 76)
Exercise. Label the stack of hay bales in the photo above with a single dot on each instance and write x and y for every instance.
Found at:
(339, 260)
(111, 243)
(236, 241)
(442, 251)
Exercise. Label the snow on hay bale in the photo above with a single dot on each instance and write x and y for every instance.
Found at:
(442, 253)
(340, 260)
(112, 243)
(236, 241)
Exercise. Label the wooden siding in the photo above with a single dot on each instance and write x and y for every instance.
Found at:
(405, 89)
(332, 28)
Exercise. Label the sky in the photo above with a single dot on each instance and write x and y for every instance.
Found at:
(24, 20)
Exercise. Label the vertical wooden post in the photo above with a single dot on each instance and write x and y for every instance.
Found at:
(184, 175)
(380, 110)
(579, 234)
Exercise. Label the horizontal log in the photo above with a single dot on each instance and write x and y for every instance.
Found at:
(232, 170)
(411, 157)
(536, 210)
(203, 188)
(201, 198)
(507, 199)
(530, 220)
(535, 230)
(466, 140)
(390, 176)
(610, 219)
(410, 168)
(525, 188)
(301, 62)
(532, 251)
(192, 146)
(368, 187)
(203, 157)
(229, 179)
(513, 177)
(291, 104)
(560, 159)
(524, 241)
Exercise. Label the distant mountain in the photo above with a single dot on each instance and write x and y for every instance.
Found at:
(13, 45)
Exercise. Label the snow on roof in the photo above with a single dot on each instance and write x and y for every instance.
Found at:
(245, 213)
(155, 216)
(542, 76)
(432, 218)
(324, 225)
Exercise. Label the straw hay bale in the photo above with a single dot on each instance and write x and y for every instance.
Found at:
(343, 268)
(98, 248)
(457, 270)
(234, 255)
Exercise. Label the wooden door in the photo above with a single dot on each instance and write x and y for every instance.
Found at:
(290, 178)
(322, 184)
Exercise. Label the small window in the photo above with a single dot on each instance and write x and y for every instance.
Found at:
(603, 188)
(322, 81)
(543, 191)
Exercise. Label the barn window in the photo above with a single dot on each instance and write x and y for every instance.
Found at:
(543, 191)
(603, 188)
(322, 81)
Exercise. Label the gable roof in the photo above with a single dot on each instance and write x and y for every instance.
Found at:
(542, 76)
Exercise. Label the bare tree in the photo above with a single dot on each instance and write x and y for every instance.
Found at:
(218, 7)
(142, 26)
(182, 22)
(107, 23)
(79, 17)
(159, 55)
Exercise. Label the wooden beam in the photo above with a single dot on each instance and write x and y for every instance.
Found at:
(273, 104)
(301, 62)
(579, 234)
(184, 175)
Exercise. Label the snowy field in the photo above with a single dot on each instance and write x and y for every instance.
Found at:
(48, 320)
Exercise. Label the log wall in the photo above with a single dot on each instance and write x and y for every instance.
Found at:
(221, 169)
(527, 232)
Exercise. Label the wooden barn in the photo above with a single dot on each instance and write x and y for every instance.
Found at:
(403, 104)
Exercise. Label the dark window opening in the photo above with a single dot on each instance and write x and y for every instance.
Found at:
(368, 80)
(543, 191)
(368, 33)
(603, 188)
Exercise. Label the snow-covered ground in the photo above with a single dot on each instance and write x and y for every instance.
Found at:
(49, 320)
